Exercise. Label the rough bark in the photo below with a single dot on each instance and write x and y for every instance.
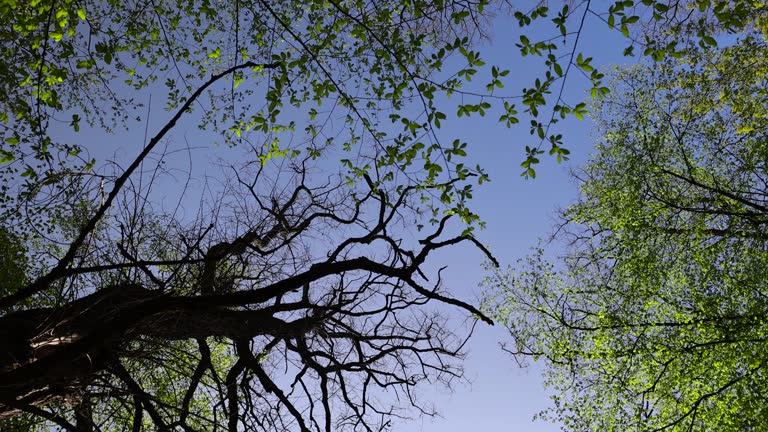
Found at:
(54, 353)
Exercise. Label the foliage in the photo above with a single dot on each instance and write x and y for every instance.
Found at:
(295, 296)
(13, 261)
(374, 69)
(657, 318)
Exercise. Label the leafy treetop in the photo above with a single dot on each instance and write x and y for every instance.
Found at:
(657, 320)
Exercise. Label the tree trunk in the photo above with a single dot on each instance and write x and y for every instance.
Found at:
(53, 353)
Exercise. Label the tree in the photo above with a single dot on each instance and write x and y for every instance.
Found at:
(656, 319)
(296, 297)
(324, 311)
(296, 290)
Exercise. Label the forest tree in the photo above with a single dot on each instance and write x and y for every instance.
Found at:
(286, 286)
(656, 319)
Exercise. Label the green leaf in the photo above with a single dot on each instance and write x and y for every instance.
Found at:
(654, 312)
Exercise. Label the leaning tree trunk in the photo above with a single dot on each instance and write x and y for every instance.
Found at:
(54, 353)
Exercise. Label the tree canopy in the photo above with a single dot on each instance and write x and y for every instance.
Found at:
(656, 318)
(294, 293)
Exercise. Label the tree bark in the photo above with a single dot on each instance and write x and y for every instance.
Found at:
(53, 353)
